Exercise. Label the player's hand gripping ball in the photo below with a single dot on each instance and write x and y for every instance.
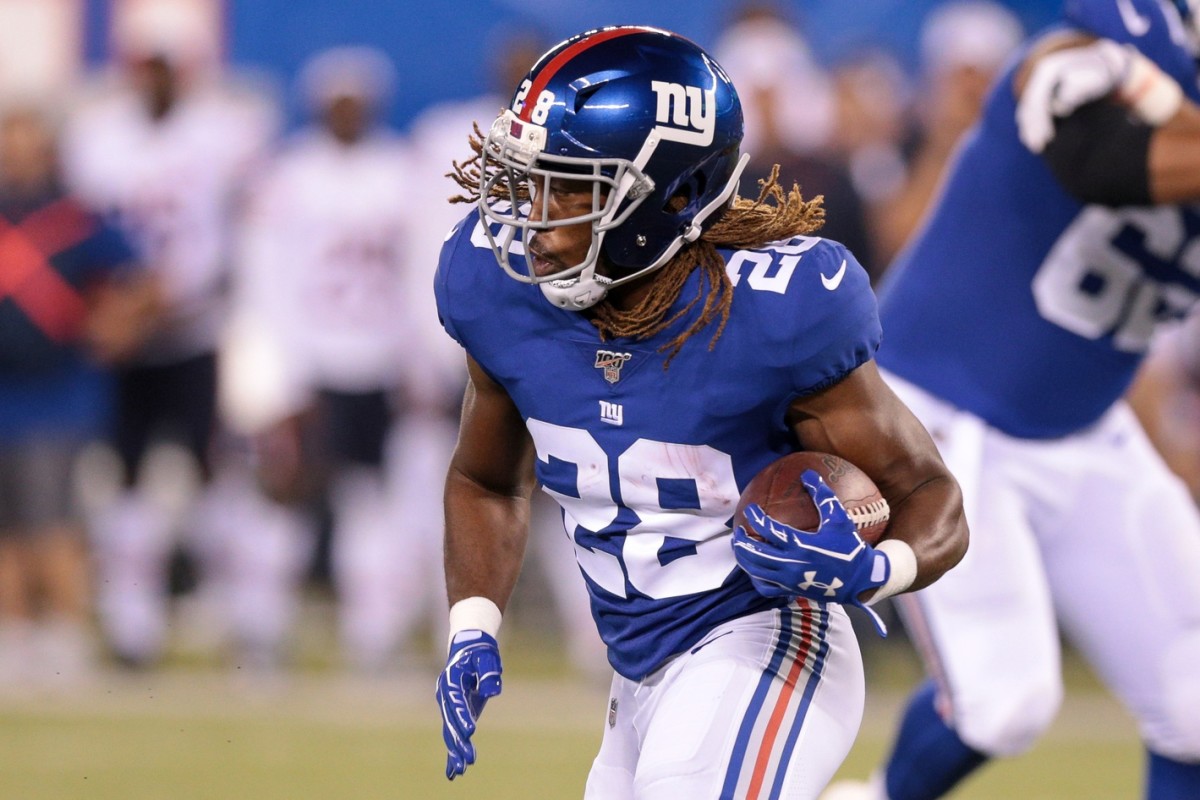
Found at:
(779, 491)
(795, 535)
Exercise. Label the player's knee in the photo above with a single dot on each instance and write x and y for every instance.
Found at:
(1177, 736)
(1007, 721)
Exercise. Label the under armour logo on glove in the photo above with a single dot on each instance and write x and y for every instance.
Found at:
(810, 581)
(832, 563)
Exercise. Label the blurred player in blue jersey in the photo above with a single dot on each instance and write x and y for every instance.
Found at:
(648, 343)
(1015, 322)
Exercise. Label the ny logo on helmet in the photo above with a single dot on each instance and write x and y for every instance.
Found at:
(687, 107)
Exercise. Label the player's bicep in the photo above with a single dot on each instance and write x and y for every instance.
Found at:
(861, 419)
(1070, 111)
(494, 451)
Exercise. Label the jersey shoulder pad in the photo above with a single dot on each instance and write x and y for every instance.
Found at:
(1112, 19)
(810, 299)
(462, 273)
(1145, 25)
(822, 271)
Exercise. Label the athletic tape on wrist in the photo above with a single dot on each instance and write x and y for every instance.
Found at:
(474, 614)
(1152, 95)
(904, 569)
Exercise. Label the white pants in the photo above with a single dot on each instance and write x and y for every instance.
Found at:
(765, 706)
(1091, 530)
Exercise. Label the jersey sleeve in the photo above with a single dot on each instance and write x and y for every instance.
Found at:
(1142, 23)
(1108, 19)
(839, 328)
(447, 281)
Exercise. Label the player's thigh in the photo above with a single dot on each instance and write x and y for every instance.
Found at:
(986, 629)
(767, 706)
(138, 414)
(191, 387)
(1125, 582)
(611, 775)
(356, 426)
(993, 612)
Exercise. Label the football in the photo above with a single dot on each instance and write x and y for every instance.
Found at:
(780, 491)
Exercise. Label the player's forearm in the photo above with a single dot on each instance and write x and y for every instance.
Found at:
(930, 520)
(485, 541)
(1174, 158)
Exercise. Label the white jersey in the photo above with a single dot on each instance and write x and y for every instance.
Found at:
(171, 185)
(325, 260)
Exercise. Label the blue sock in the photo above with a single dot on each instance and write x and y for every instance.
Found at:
(928, 759)
(1171, 780)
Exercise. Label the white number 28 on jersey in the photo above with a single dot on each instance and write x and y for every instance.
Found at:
(674, 502)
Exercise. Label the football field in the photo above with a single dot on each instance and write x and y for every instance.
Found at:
(192, 732)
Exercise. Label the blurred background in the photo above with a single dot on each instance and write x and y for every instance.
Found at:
(226, 406)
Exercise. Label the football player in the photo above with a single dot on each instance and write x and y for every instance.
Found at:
(1015, 322)
(324, 274)
(648, 343)
(163, 153)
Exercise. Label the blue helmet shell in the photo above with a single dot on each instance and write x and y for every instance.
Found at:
(603, 93)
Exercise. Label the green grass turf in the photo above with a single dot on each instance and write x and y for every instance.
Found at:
(191, 732)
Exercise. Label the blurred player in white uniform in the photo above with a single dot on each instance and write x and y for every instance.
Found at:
(436, 137)
(162, 151)
(326, 272)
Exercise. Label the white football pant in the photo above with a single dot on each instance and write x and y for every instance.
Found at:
(131, 541)
(765, 706)
(1091, 529)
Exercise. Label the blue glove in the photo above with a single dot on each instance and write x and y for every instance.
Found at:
(471, 677)
(831, 563)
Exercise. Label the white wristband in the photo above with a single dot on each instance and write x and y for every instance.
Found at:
(1154, 96)
(904, 569)
(474, 614)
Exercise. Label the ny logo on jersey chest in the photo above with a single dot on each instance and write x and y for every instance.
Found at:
(611, 362)
(612, 413)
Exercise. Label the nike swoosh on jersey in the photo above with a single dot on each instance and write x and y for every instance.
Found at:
(1136, 23)
(835, 281)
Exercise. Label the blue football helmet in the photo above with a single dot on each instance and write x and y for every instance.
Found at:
(649, 119)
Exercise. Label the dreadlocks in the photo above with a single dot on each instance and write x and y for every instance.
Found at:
(773, 217)
(747, 223)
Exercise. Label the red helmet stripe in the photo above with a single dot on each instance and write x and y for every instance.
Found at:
(560, 60)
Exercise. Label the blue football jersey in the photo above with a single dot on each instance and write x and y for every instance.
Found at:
(1019, 303)
(647, 463)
